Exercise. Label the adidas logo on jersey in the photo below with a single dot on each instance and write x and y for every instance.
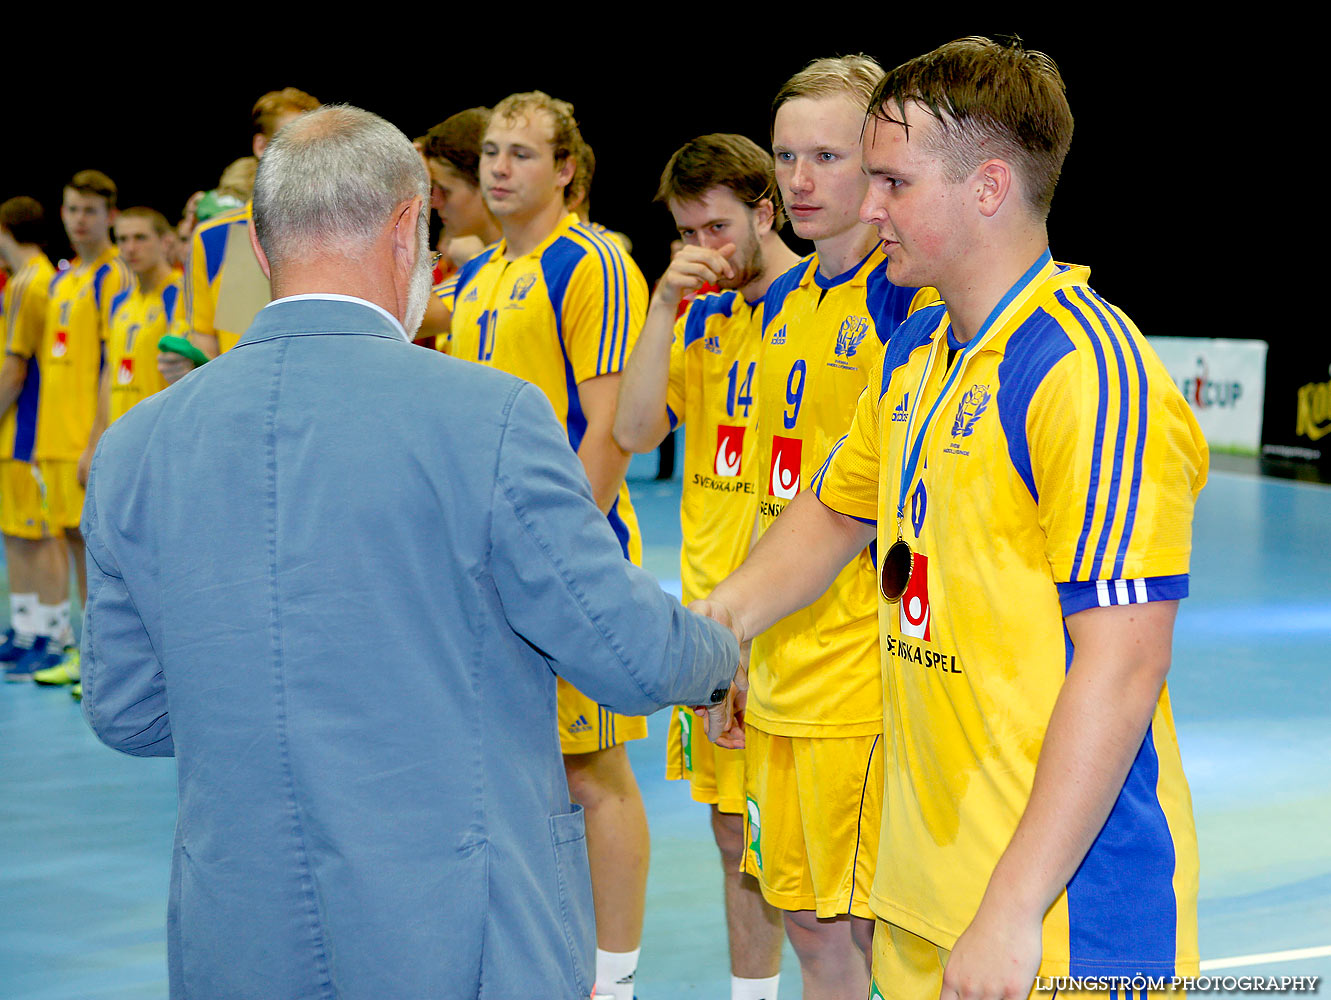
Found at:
(901, 413)
(580, 725)
(779, 337)
(712, 344)
(471, 295)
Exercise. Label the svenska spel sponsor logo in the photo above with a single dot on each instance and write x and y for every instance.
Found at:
(785, 478)
(729, 451)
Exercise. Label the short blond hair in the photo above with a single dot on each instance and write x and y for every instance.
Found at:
(567, 137)
(855, 77)
(276, 103)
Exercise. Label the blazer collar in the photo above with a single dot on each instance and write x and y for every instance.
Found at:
(312, 315)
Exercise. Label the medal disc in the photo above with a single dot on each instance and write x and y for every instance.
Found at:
(894, 573)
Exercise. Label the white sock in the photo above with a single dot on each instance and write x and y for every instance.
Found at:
(53, 622)
(615, 971)
(754, 989)
(23, 616)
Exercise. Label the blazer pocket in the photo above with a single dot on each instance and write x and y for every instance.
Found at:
(569, 837)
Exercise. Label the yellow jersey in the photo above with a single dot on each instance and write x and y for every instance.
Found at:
(563, 313)
(23, 319)
(815, 672)
(713, 360)
(1056, 468)
(77, 320)
(224, 286)
(138, 322)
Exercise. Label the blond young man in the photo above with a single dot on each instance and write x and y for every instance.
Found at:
(1029, 470)
(559, 305)
(38, 576)
(698, 370)
(814, 710)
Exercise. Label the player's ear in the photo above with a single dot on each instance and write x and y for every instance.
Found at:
(764, 212)
(259, 144)
(564, 175)
(995, 182)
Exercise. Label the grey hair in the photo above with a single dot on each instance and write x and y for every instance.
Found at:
(329, 181)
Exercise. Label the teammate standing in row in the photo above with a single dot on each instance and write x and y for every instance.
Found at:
(1031, 470)
(814, 712)
(559, 305)
(224, 286)
(70, 361)
(699, 371)
(38, 576)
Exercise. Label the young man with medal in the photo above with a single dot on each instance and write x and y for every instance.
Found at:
(1032, 472)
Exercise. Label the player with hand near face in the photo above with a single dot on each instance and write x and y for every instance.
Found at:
(699, 371)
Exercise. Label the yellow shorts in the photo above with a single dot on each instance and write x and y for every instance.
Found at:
(584, 726)
(22, 514)
(909, 967)
(64, 495)
(715, 775)
(814, 806)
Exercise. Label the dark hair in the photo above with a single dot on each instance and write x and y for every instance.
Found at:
(457, 141)
(22, 217)
(991, 99)
(721, 159)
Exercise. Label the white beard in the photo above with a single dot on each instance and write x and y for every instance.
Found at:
(418, 295)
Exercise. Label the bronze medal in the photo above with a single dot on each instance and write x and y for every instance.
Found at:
(894, 573)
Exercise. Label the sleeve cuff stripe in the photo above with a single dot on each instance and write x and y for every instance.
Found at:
(1079, 596)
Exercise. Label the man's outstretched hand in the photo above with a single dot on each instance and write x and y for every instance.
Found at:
(724, 721)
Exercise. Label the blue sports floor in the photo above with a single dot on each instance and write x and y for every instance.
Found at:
(85, 834)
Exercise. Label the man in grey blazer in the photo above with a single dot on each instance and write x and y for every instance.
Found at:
(335, 576)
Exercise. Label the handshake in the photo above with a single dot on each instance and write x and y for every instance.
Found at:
(724, 718)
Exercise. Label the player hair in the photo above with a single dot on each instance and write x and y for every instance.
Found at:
(94, 182)
(722, 159)
(328, 184)
(584, 169)
(276, 103)
(238, 178)
(833, 76)
(457, 141)
(160, 226)
(22, 217)
(992, 100)
(567, 136)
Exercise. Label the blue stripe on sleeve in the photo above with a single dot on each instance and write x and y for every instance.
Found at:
(779, 289)
(1139, 449)
(701, 310)
(214, 242)
(119, 301)
(557, 265)
(170, 298)
(1120, 437)
(1038, 345)
(1101, 417)
(917, 331)
(99, 279)
(618, 315)
(1078, 595)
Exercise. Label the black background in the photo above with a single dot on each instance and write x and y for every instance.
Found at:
(1144, 200)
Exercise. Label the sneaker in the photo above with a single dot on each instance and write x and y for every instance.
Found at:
(10, 651)
(64, 672)
(43, 655)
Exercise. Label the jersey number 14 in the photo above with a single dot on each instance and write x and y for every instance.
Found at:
(739, 394)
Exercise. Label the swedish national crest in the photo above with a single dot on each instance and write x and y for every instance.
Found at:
(852, 333)
(972, 407)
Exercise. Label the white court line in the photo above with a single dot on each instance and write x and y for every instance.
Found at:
(1268, 957)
